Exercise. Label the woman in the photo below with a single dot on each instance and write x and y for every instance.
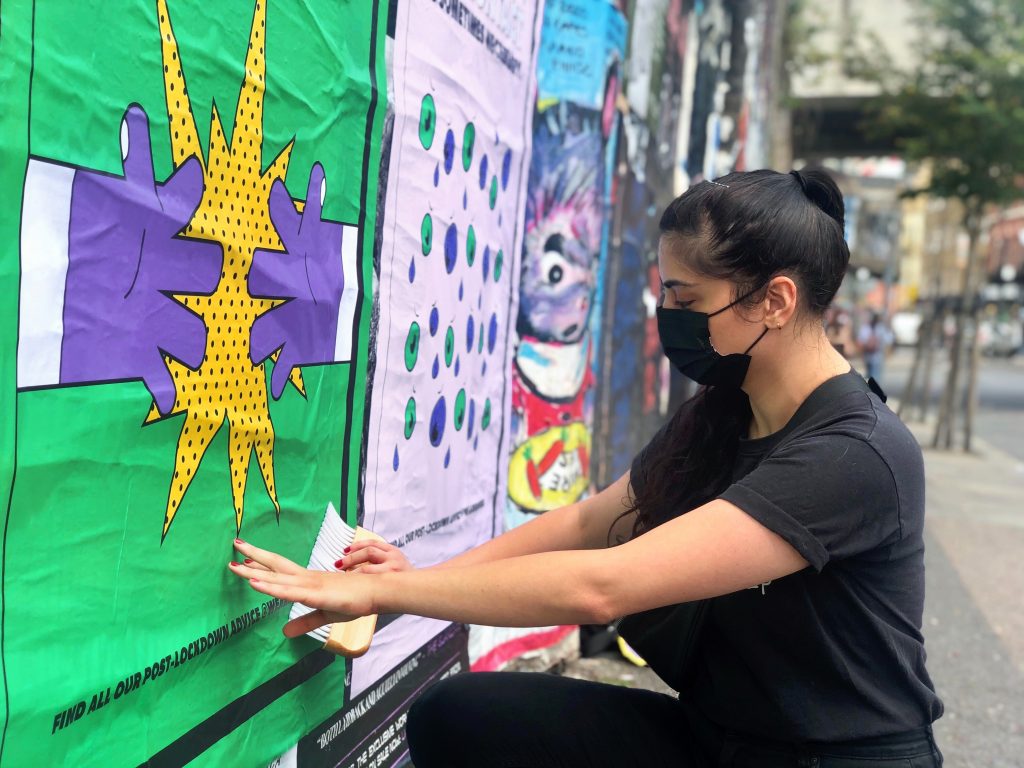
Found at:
(804, 507)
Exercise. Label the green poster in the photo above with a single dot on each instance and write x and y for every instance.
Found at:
(189, 203)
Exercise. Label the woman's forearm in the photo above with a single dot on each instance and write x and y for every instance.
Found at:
(567, 587)
(555, 530)
(582, 525)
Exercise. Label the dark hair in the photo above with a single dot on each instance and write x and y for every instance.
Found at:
(750, 228)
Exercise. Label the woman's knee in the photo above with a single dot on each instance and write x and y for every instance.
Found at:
(439, 720)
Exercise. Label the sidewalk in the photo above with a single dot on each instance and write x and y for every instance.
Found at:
(974, 613)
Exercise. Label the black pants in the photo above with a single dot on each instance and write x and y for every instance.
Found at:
(522, 720)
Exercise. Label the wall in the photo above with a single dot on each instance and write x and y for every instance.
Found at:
(389, 261)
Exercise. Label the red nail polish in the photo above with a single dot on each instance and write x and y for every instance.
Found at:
(232, 563)
(247, 561)
(339, 564)
(239, 541)
(346, 550)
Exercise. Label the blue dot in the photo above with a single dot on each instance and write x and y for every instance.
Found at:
(436, 430)
(451, 247)
(499, 219)
(449, 151)
(479, 305)
(447, 457)
(487, 261)
(483, 172)
(460, 290)
(492, 333)
(412, 270)
(437, 175)
(506, 168)
(476, 440)
(469, 334)
(472, 417)
(483, 369)
(434, 319)
(465, 201)
(435, 368)
(458, 364)
(394, 461)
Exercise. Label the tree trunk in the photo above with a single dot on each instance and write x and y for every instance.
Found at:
(934, 334)
(945, 428)
(972, 379)
(909, 391)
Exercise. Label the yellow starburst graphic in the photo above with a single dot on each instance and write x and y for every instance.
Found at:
(234, 211)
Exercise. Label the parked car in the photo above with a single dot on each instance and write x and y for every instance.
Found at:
(906, 327)
(1000, 337)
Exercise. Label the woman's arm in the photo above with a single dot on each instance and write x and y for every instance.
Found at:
(713, 550)
(583, 525)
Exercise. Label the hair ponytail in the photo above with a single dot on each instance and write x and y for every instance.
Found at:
(750, 227)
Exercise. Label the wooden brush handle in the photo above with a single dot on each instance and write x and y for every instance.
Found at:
(352, 638)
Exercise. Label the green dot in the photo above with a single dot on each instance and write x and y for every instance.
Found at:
(497, 264)
(480, 346)
(485, 422)
(410, 417)
(449, 346)
(468, 136)
(460, 409)
(427, 234)
(412, 346)
(494, 191)
(428, 121)
(471, 246)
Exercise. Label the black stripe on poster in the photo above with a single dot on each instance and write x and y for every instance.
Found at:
(193, 743)
(370, 729)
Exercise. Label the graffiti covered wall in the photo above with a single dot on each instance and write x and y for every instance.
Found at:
(270, 260)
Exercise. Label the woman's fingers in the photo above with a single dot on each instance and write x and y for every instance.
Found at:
(309, 622)
(355, 546)
(392, 558)
(269, 559)
(275, 577)
(373, 569)
(287, 592)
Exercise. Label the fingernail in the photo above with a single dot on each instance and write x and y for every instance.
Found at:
(346, 550)
(339, 563)
(247, 561)
(232, 563)
(239, 541)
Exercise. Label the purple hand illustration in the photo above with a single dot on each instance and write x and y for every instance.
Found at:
(308, 275)
(124, 259)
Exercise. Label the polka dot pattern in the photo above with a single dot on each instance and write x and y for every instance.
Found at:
(233, 212)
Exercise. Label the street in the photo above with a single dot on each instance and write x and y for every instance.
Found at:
(1000, 420)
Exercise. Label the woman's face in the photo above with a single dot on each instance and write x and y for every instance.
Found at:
(733, 330)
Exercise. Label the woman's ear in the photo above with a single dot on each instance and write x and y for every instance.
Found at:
(780, 301)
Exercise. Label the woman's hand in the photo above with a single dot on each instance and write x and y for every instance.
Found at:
(371, 556)
(336, 596)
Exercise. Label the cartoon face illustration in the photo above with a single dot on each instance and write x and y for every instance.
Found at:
(563, 224)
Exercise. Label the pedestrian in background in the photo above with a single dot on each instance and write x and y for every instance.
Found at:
(875, 340)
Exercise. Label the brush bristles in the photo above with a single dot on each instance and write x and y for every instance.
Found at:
(335, 534)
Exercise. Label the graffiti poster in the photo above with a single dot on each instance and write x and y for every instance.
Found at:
(437, 436)
(189, 205)
(562, 266)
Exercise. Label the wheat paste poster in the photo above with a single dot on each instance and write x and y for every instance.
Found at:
(437, 433)
(189, 203)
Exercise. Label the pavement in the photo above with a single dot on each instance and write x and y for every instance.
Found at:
(974, 610)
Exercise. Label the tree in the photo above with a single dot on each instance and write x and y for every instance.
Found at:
(962, 111)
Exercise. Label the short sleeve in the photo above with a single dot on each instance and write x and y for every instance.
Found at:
(829, 496)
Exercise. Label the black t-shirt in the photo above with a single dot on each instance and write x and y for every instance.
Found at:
(835, 651)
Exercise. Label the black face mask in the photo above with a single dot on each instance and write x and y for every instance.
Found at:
(686, 340)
